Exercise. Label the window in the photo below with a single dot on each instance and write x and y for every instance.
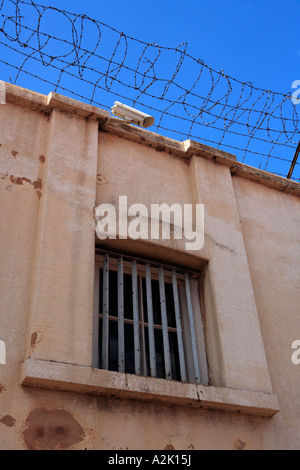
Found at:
(148, 319)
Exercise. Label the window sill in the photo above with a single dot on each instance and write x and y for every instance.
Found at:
(81, 379)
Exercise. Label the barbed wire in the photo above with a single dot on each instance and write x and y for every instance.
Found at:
(93, 61)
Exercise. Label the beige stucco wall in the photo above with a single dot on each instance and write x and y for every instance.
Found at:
(58, 160)
(271, 224)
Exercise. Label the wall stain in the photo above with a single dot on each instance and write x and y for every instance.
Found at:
(239, 445)
(2, 388)
(20, 180)
(51, 430)
(169, 447)
(37, 185)
(8, 421)
(101, 179)
(34, 340)
(220, 245)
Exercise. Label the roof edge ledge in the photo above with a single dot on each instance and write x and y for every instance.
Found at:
(184, 150)
(46, 103)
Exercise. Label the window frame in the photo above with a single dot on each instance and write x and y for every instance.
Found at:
(193, 340)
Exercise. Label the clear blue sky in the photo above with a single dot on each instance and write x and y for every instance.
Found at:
(254, 41)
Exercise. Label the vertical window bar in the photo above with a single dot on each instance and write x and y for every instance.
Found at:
(105, 313)
(150, 323)
(96, 342)
(178, 327)
(142, 327)
(194, 285)
(137, 347)
(121, 348)
(164, 320)
(192, 327)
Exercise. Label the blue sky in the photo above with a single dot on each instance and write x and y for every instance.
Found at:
(250, 40)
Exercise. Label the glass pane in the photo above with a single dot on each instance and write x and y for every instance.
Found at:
(100, 343)
(113, 345)
(147, 365)
(129, 349)
(175, 366)
(159, 347)
(156, 303)
(128, 310)
(170, 305)
(145, 300)
(100, 290)
(113, 293)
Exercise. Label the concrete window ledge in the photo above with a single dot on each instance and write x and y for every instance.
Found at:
(81, 379)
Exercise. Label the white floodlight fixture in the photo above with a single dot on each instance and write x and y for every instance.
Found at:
(132, 115)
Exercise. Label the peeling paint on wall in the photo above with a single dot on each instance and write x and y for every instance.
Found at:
(20, 180)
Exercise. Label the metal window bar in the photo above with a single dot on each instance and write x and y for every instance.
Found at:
(121, 345)
(164, 320)
(136, 327)
(105, 313)
(192, 328)
(150, 322)
(138, 321)
(179, 327)
(142, 325)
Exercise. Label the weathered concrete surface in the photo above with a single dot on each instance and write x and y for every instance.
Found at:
(270, 223)
(68, 377)
(55, 167)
